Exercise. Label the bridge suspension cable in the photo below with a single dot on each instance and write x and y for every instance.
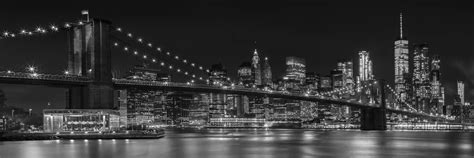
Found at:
(147, 57)
(161, 51)
(30, 32)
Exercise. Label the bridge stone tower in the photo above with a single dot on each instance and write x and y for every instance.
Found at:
(375, 118)
(90, 56)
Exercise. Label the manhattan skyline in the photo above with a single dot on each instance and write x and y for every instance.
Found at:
(285, 29)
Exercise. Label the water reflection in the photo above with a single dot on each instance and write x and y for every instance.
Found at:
(256, 143)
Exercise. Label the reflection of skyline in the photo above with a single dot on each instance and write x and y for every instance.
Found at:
(258, 143)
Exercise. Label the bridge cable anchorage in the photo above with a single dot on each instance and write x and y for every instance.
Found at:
(160, 50)
(161, 63)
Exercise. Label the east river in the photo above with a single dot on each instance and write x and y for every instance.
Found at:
(259, 143)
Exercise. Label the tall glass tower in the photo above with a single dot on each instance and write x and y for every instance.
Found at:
(267, 72)
(401, 63)
(257, 69)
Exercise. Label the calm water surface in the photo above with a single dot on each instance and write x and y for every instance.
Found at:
(260, 143)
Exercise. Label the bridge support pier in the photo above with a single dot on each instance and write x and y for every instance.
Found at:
(373, 119)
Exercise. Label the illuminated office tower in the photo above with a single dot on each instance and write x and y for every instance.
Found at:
(257, 69)
(461, 91)
(267, 73)
(365, 66)
(295, 69)
(421, 71)
(218, 75)
(435, 77)
(347, 68)
(245, 74)
(401, 63)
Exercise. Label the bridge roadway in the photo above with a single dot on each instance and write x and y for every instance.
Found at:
(11, 77)
(71, 80)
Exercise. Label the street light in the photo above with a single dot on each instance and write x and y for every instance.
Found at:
(29, 110)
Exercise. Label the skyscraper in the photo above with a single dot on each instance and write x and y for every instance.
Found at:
(460, 86)
(245, 74)
(347, 68)
(421, 71)
(365, 66)
(295, 69)
(218, 75)
(435, 77)
(256, 68)
(267, 72)
(401, 63)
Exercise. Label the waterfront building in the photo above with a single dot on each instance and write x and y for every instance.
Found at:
(401, 63)
(71, 120)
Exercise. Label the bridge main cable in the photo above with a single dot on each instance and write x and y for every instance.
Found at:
(160, 50)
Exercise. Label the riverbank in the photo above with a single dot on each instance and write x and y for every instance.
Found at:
(14, 136)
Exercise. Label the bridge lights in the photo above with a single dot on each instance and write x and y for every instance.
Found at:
(167, 53)
(140, 40)
(149, 45)
(158, 49)
(129, 34)
(153, 60)
(9, 72)
(31, 69)
(5, 33)
(144, 56)
(176, 57)
(54, 28)
(115, 44)
(66, 72)
(67, 25)
(185, 61)
(119, 29)
(135, 52)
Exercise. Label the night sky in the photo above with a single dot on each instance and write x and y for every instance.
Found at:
(212, 32)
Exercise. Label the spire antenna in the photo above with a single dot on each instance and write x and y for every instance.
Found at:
(401, 25)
